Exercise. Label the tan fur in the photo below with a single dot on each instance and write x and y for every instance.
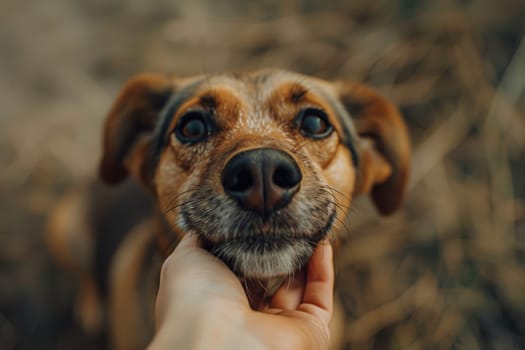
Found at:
(69, 238)
(128, 294)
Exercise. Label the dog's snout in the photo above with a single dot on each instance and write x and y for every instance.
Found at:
(263, 180)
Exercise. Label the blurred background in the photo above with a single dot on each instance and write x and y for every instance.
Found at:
(447, 272)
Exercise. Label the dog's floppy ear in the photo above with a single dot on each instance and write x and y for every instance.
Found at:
(130, 124)
(383, 146)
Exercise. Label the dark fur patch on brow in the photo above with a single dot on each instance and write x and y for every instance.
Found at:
(208, 101)
(297, 92)
(261, 78)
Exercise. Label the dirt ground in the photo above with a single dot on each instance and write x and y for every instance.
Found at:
(446, 272)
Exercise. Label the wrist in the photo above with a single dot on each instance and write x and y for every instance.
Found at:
(207, 325)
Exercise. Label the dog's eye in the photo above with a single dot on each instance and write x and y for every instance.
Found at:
(192, 127)
(314, 123)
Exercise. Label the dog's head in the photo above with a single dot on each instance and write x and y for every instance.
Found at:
(261, 166)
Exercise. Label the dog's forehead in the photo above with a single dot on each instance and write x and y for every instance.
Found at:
(258, 86)
(262, 93)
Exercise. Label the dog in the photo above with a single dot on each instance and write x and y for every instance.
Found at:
(261, 166)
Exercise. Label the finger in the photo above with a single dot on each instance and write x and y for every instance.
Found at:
(319, 288)
(290, 293)
(168, 268)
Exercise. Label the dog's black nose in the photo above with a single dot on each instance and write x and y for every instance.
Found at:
(263, 179)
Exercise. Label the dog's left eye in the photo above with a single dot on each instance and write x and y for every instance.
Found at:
(192, 127)
(314, 123)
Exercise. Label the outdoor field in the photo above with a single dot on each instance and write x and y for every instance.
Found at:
(445, 272)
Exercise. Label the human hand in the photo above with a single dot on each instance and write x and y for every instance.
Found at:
(201, 304)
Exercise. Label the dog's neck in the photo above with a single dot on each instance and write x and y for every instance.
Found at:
(165, 237)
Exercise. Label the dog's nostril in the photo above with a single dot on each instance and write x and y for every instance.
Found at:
(242, 181)
(286, 176)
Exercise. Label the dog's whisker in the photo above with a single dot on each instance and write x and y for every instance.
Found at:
(178, 196)
(188, 202)
(333, 189)
(345, 229)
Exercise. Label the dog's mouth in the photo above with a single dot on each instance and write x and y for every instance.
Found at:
(266, 255)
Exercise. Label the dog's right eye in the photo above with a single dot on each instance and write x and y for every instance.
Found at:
(192, 127)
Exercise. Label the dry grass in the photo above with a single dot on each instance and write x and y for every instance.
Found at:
(446, 272)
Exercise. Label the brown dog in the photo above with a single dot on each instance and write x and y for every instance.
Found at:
(260, 166)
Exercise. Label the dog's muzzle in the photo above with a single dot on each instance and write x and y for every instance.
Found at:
(263, 180)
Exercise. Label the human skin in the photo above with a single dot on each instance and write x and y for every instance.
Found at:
(201, 304)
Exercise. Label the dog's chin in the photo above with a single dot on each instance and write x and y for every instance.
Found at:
(265, 256)
(255, 247)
